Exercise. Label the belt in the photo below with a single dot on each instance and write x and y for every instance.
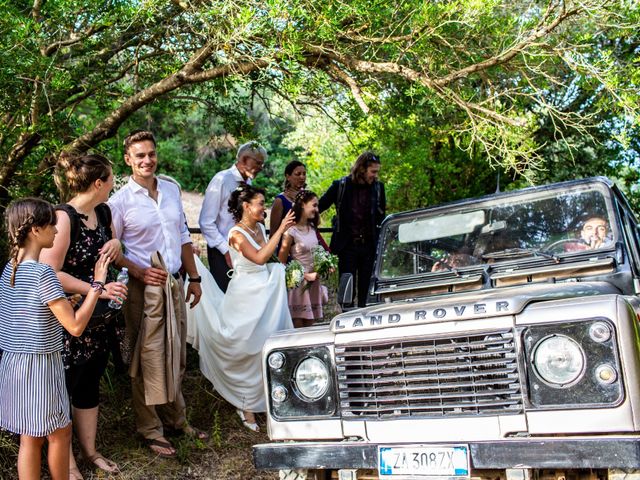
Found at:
(176, 275)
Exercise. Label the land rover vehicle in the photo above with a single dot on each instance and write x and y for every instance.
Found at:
(498, 341)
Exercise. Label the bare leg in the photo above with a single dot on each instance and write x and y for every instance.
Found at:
(29, 457)
(249, 417)
(58, 457)
(248, 420)
(74, 471)
(85, 421)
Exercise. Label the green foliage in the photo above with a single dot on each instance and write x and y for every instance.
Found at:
(450, 93)
(8, 452)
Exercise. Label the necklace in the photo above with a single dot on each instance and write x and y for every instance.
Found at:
(251, 230)
(291, 193)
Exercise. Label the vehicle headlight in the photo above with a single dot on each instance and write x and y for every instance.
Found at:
(312, 378)
(279, 393)
(599, 332)
(558, 360)
(301, 382)
(276, 360)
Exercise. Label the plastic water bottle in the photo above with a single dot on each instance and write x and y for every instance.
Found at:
(123, 277)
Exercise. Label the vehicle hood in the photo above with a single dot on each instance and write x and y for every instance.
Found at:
(463, 306)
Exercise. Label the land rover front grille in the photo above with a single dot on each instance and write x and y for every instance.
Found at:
(430, 377)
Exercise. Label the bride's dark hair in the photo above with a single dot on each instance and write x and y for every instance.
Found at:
(244, 193)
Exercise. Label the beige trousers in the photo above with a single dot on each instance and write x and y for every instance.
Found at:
(151, 418)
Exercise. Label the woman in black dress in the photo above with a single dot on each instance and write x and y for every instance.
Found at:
(84, 232)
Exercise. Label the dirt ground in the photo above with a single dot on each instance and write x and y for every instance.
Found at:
(227, 455)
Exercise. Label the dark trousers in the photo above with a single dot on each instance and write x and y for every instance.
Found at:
(358, 259)
(218, 268)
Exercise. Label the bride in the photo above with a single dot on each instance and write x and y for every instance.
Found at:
(230, 333)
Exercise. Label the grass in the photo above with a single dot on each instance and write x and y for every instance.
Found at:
(226, 455)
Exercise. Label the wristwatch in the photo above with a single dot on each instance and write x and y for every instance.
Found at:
(195, 279)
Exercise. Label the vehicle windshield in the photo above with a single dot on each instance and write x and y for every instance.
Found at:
(550, 224)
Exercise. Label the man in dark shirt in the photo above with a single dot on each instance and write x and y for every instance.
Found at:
(360, 208)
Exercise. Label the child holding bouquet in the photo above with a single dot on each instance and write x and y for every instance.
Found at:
(305, 300)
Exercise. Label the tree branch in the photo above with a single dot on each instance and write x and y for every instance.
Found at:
(241, 68)
(345, 78)
(35, 10)
(26, 142)
(74, 38)
(187, 75)
(511, 52)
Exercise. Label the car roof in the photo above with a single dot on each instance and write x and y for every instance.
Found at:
(515, 193)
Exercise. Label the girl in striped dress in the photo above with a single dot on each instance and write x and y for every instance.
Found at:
(33, 309)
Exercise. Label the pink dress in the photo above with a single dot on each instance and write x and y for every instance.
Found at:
(305, 301)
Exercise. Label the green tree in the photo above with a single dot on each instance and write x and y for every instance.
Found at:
(76, 72)
(116, 57)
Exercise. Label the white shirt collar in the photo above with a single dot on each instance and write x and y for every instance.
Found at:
(136, 187)
(237, 175)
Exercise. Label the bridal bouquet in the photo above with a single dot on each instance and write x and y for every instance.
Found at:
(325, 264)
(294, 274)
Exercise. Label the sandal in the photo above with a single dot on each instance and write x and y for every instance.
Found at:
(195, 433)
(189, 431)
(111, 466)
(253, 426)
(156, 442)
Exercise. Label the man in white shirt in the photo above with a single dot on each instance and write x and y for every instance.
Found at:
(148, 217)
(215, 219)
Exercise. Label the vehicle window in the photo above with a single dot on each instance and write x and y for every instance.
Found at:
(541, 223)
(631, 232)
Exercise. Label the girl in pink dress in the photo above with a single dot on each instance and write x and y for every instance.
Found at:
(305, 302)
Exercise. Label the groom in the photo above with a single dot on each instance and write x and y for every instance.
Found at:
(215, 219)
(148, 219)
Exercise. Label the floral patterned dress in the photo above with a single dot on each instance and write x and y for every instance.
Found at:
(99, 337)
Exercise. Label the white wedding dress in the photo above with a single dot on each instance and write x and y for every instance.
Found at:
(229, 330)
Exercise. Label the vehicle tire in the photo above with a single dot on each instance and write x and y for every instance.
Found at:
(297, 474)
(623, 474)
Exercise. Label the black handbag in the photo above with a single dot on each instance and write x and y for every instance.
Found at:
(102, 314)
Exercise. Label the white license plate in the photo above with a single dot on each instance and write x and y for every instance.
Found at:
(424, 461)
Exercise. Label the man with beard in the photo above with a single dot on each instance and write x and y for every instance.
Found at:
(360, 208)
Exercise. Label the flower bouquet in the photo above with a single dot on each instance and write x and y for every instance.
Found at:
(294, 274)
(326, 265)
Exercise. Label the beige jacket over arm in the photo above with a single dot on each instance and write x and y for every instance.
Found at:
(158, 348)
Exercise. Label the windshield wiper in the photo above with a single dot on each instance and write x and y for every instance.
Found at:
(519, 253)
(418, 254)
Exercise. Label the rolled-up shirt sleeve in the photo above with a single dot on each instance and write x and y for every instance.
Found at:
(185, 236)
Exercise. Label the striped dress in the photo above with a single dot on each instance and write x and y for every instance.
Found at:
(33, 395)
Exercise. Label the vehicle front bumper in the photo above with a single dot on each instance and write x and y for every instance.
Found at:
(583, 452)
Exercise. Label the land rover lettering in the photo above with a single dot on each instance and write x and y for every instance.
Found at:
(376, 320)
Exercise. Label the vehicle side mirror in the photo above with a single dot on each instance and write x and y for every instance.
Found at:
(345, 290)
